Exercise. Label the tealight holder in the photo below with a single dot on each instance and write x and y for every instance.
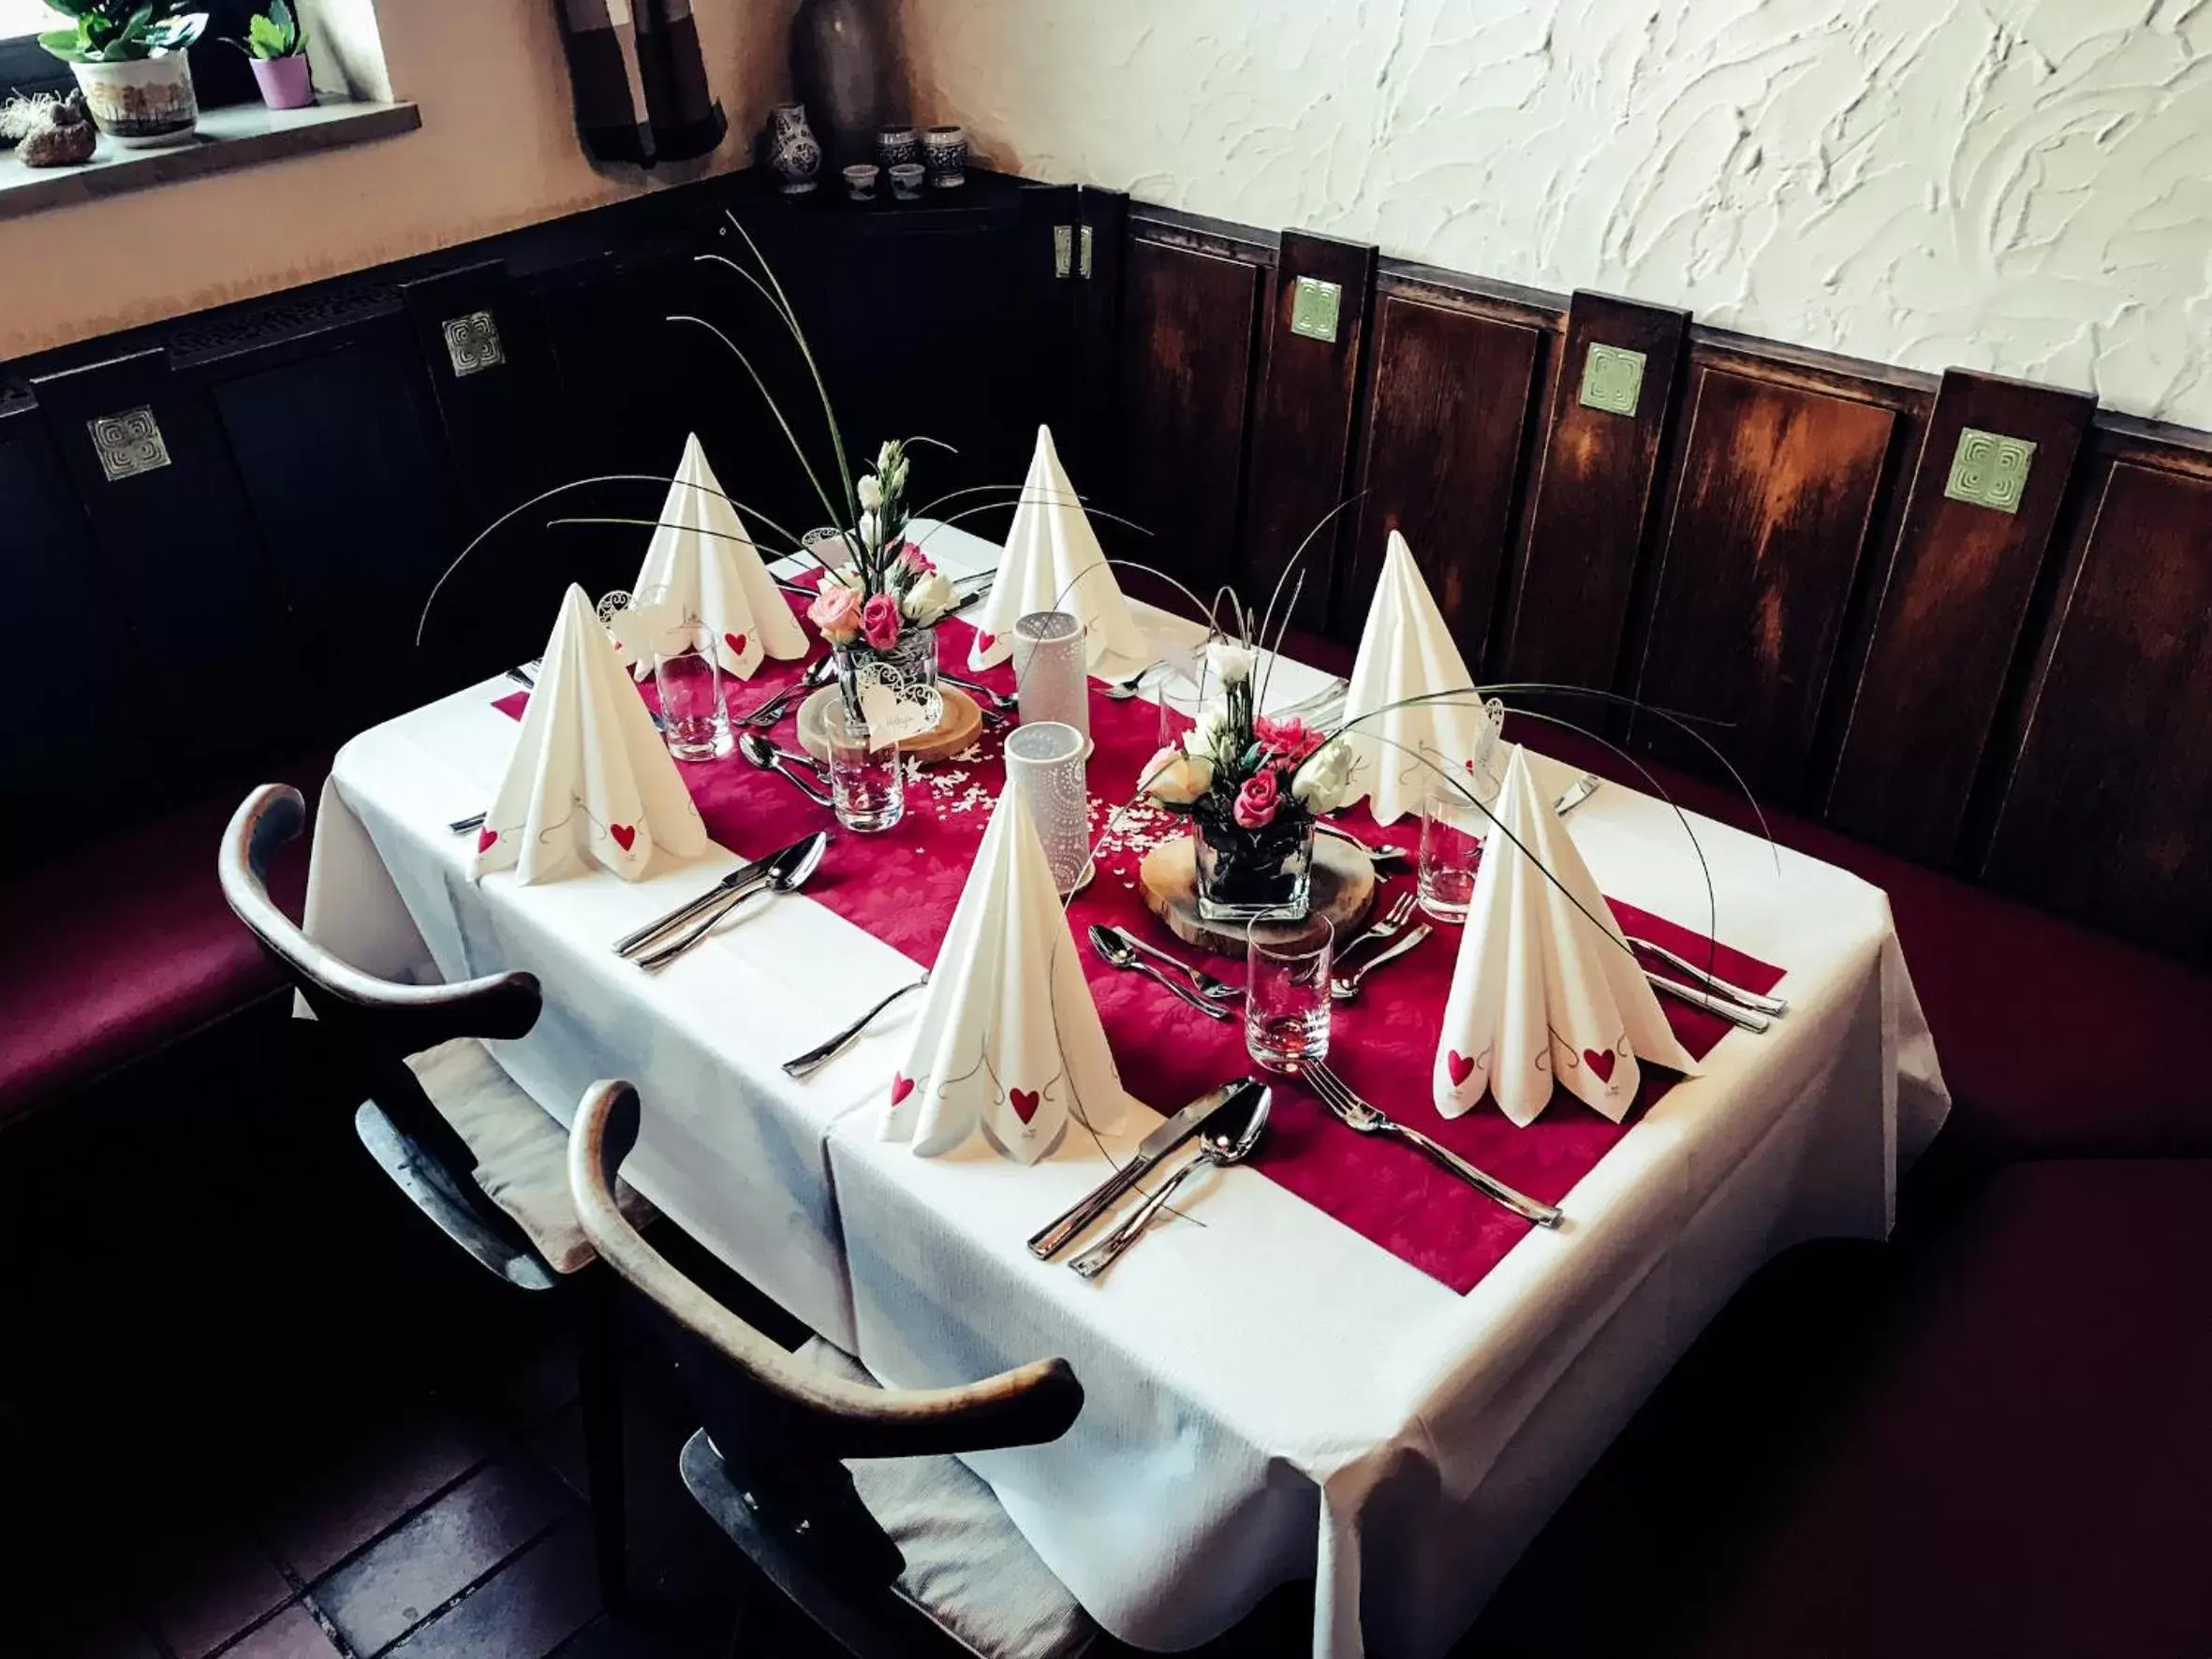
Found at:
(906, 181)
(860, 181)
(1045, 762)
(1050, 674)
(945, 151)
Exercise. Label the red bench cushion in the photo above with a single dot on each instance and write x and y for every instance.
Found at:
(2025, 1471)
(112, 951)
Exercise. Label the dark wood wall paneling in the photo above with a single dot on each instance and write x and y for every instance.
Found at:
(2103, 793)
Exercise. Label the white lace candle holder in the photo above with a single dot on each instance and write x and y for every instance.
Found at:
(1050, 673)
(1044, 760)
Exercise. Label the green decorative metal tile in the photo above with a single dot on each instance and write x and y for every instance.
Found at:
(1990, 470)
(1314, 305)
(1611, 379)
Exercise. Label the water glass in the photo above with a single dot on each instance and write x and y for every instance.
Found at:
(1451, 831)
(1287, 992)
(866, 787)
(690, 683)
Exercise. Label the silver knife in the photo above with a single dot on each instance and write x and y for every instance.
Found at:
(1059, 1232)
(631, 944)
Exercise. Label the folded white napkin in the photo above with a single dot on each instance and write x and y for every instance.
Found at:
(1544, 989)
(703, 564)
(1407, 651)
(590, 779)
(1008, 1039)
(1053, 562)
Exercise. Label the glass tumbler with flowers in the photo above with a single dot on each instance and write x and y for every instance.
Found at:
(1251, 788)
(883, 604)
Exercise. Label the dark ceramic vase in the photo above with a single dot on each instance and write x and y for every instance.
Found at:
(845, 69)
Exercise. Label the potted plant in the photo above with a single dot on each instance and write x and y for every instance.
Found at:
(279, 48)
(128, 57)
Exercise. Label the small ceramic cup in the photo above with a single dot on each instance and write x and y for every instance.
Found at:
(906, 180)
(945, 149)
(860, 181)
(896, 146)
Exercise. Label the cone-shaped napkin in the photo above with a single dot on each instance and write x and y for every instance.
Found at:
(703, 564)
(1407, 651)
(590, 779)
(1053, 562)
(1545, 992)
(1008, 1039)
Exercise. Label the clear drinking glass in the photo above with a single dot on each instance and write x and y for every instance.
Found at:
(1287, 992)
(866, 786)
(1452, 830)
(690, 683)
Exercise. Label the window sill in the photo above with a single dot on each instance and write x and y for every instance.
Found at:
(242, 134)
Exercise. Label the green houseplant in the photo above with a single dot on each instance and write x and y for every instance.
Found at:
(128, 57)
(279, 48)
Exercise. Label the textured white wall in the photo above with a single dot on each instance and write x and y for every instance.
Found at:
(2020, 186)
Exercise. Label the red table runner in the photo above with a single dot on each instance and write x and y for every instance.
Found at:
(903, 887)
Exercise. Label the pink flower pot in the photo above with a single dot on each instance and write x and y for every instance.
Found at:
(284, 83)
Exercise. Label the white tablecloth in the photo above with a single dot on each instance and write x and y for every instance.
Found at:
(1268, 1395)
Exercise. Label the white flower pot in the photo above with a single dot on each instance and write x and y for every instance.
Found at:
(141, 103)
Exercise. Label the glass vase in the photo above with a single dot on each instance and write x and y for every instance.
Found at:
(913, 655)
(1247, 875)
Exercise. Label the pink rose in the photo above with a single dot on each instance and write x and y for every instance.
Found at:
(879, 620)
(836, 612)
(1256, 801)
(917, 561)
(1289, 740)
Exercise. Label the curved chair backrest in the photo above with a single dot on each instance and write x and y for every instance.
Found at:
(374, 1023)
(780, 1423)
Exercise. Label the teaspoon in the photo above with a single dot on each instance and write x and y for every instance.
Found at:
(1226, 1139)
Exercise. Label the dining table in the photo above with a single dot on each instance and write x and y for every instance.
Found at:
(1325, 1367)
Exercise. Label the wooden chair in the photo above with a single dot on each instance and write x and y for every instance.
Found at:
(474, 1153)
(847, 1496)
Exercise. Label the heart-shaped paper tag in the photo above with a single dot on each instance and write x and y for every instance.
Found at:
(624, 835)
(1023, 1101)
(893, 709)
(1600, 1061)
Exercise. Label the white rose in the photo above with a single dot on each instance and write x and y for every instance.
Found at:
(1321, 784)
(871, 534)
(1231, 663)
(931, 597)
(870, 491)
(1174, 778)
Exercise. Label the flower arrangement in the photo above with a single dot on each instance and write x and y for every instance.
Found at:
(889, 586)
(1252, 787)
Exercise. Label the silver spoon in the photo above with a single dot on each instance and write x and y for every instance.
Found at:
(759, 752)
(788, 873)
(806, 1064)
(1217, 990)
(1122, 690)
(1381, 853)
(1229, 1137)
(985, 697)
(1117, 953)
(772, 709)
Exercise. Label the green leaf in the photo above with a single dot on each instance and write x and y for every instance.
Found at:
(65, 44)
(287, 27)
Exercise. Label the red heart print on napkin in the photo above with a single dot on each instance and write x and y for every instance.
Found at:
(484, 838)
(901, 1087)
(623, 835)
(736, 643)
(985, 642)
(1600, 1062)
(1024, 1102)
(1460, 1067)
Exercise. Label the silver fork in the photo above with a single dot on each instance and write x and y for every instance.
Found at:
(1368, 1120)
(1392, 923)
(1344, 987)
(769, 712)
(805, 1065)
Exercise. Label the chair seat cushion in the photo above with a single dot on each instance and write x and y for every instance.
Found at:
(522, 1153)
(126, 944)
(968, 1567)
(2024, 1469)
